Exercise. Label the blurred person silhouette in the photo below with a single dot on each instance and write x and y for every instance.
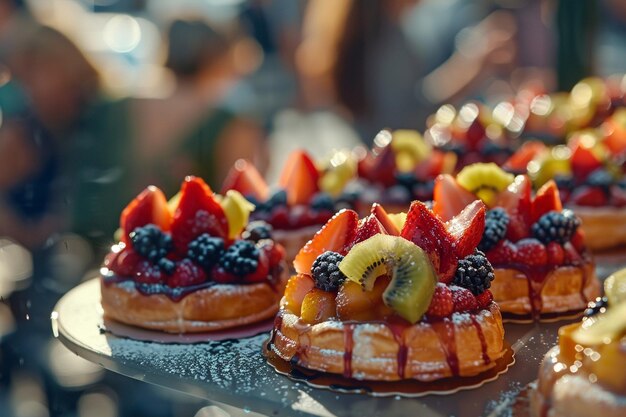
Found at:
(137, 141)
(48, 84)
(356, 58)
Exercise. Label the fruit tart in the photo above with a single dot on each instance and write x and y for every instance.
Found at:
(299, 205)
(371, 304)
(193, 265)
(584, 374)
(542, 266)
(589, 172)
(399, 168)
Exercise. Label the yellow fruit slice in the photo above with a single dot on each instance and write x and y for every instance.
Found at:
(615, 288)
(602, 328)
(237, 210)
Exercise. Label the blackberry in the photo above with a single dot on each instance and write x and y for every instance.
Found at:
(279, 198)
(599, 305)
(257, 230)
(474, 272)
(205, 250)
(491, 148)
(423, 190)
(326, 273)
(556, 226)
(406, 179)
(600, 178)
(496, 222)
(452, 146)
(241, 258)
(150, 242)
(322, 201)
(167, 265)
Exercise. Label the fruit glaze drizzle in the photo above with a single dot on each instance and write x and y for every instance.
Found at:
(424, 276)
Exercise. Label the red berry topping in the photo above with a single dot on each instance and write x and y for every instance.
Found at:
(530, 251)
(125, 262)
(578, 240)
(368, 227)
(262, 271)
(198, 212)
(299, 178)
(572, 257)
(556, 254)
(279, 218)
(463, 299)
(219, 275)
(148, 273)
(441, 305)
(589, 196)
(467, 228)
(546, 200)
(449, 198)
(484, 299)
(382, 216)
(503, 253)
(274, 251)
(186, 274)
(150, 206)
(245, 178)
(517, 203)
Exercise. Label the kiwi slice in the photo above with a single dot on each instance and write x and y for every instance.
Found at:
(485, 180)
(552, 164)
(413, 279)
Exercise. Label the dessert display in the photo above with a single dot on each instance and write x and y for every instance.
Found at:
(584, 374)
(399, 168)
(542, 266)
(474, 133)
(590, 175)
(392, 297)
(194, 264)
(300, 204)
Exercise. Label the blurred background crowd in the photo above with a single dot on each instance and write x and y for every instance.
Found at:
(99, 98)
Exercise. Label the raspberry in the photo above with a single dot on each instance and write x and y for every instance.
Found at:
(275, 251)
(186, 274)
(496, 223)
(484, 299)
(326, 273)
(463, 299)
(504, 253)
(556, 226)
(531, 252)
(257, 230)
(241, 258)
(441, 305)
(556, 255)
(205, 250)
(150, 242)
(125, 262)
(148, 273)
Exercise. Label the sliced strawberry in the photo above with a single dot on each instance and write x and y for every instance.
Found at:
(382, 216)
(335, 235)
(427, 231)
(467, 228)
(367, 228)
(125, 263)
(186, 273)
(380, 167)
(197, 212)
(449, 198)
(546, 200)
(584, 161)
(437, 163)
(530, 251)
(299, 178)
(441, 305)
(150, 206)
(517, 203)
(148, 273)
(503, 253)
(589, 196)
(262, 270)
(526, 153)
(556, 254)
(245, 178)
(463, 299)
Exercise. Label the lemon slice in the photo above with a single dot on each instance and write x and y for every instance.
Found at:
(602, 328)
(615, 287)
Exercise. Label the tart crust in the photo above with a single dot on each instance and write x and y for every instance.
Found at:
(572, 395)
(218, 307)
(604, 227)
(566, 288)
(374, 350)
